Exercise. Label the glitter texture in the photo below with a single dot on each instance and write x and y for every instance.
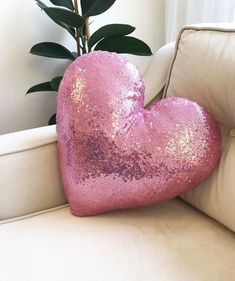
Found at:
(115, 154)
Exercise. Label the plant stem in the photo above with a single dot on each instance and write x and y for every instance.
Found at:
(87, 32)
(83, 39)
(87, 29)
(77, 29)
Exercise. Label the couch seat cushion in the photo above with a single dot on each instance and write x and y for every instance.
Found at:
(168, 241)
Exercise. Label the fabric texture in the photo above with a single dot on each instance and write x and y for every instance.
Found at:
(26, 140)
(114, 153)
(170, 241)
(203, 70)
(29, 172)
(156, 73)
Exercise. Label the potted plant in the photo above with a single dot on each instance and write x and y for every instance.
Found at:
(76, 21)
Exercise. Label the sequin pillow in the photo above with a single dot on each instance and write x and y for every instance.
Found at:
(116, 154)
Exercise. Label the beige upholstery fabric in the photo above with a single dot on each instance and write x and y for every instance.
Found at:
(29, 172)
(170, 241)
(156, 74)
(167, 242)
(204, 71)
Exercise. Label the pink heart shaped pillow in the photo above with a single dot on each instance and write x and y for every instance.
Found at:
(115, 154)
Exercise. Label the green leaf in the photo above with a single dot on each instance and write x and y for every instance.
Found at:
(67, 17)
(52, 50)
(41, 4)
(51, 86)
(124, 45)
(110, 30)
(40, 88)
(52, 120)
(64, 3)
(56, 20)
(55, 83)
(95, 7)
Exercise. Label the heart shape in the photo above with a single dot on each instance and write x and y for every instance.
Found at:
(115, 154)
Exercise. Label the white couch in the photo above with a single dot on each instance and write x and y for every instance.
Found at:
(172, 241)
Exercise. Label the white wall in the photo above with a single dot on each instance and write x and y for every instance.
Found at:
(183, 12)
(23, 25)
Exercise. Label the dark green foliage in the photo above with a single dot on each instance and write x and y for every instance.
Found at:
(65, 16)
(95, 7)
(111, 37)
(52, 50)
(64, 3)
(40, 88)
(55, 83)
(124, 45)
(110, 30)
(52, 120)
(55, 19)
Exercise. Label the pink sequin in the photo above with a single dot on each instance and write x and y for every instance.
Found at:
(115, 154)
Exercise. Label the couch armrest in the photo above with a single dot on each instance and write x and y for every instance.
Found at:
(157, 72)
(29, 172)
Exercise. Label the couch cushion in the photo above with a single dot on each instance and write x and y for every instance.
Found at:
(29, 172)
(170, 241)
(204, 71)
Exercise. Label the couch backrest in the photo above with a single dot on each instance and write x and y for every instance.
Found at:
(203, 70)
